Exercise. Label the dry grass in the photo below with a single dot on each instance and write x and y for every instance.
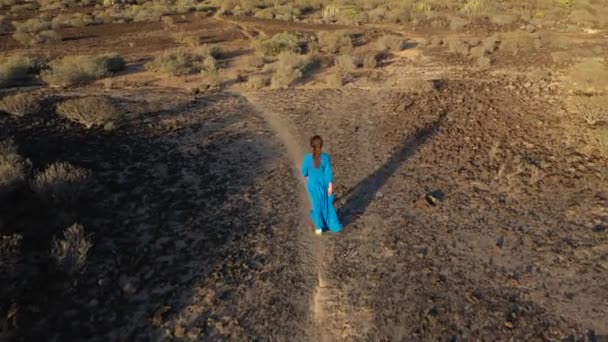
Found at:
(21, 104)
(592, 109)
(182, 61)
(335, 41)
(391, 42)
(12, 167)
(278, 43)
(290, 68)
(62, 183)
(70, 253)
(90, 111)
(76, 70)
(31, 39)
(588, 76)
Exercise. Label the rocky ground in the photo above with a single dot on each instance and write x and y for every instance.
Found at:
(192, 225)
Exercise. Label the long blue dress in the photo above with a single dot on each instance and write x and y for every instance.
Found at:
(323, 213)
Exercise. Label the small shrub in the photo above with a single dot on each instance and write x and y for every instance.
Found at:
(459, 46)
(278, 43)
(12, 166)
(90, 111)
(71, 20)
(61, 183)
(5, 25)
(178, 62)
(474, 8)
(256, 61)
(457, 23)
(257, 82)
(15, 71)
(147, 16)
(187, 39)
(347, 63)
(32, 26)
(335, 80)
(416, 84)
(592, 109)
(290, 68)
(335, 41)
(31, 39)
(74, 70)
(10, 252)
(70, 253)
(391, 42)
(370, 61)
(21, 104)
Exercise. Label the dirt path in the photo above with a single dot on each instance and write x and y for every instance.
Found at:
(325, 306)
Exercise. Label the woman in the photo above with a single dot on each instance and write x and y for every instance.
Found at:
(319, 178)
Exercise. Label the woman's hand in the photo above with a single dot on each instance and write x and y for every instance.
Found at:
(330, 189)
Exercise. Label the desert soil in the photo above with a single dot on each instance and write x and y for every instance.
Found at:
(199, 216)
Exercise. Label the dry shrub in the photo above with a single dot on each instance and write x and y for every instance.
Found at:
(370, 61)
(592, 109)
(391, 42)
(21, 104)
(255, 61)
(12, 166)
(15, 71)
(290, 68)
(35, 38)
(71, 20)
(257, 82)
(75, 70)
(90, 111)
(181, 61)
(458, 46)
(61, 183)
(335, 41)
(335, 80)
(32, 25)
(10, 253)
(70, 253)
(473, 8)
(5, 25)
(185, 39)
(278, 43)
(347, 62)
(588, 76)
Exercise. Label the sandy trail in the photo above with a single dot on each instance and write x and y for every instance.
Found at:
(328, 326)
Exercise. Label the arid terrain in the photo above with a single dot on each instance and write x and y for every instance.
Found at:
(150, 186)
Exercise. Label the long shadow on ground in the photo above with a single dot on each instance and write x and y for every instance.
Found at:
(359, 197)
(166, 219)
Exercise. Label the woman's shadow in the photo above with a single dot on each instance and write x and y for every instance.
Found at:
(359, 197)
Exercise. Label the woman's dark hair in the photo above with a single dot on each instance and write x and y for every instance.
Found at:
(316, 143)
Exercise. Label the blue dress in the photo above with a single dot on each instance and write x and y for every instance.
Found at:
(323, 213)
